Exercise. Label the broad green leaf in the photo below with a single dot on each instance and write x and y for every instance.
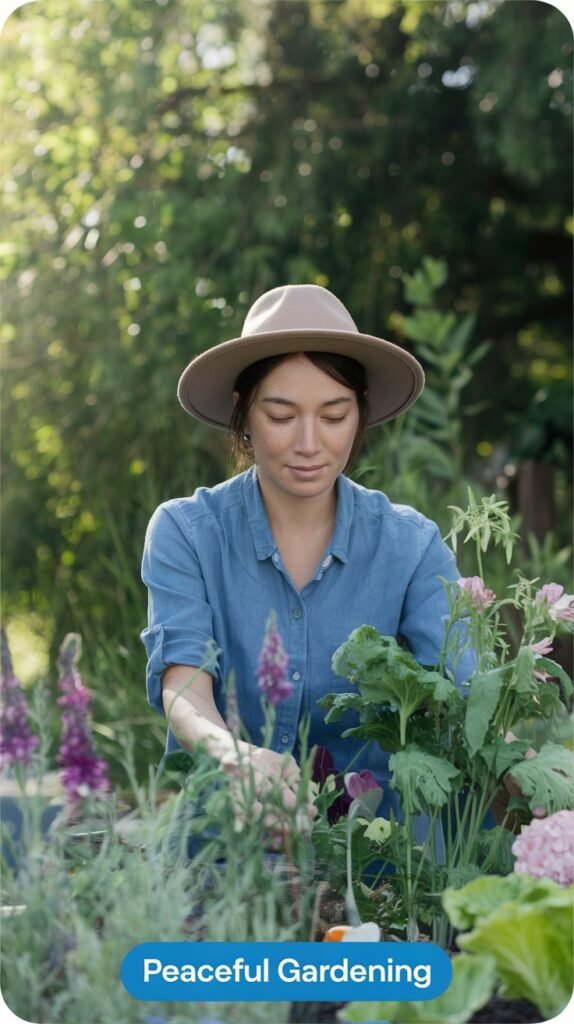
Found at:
(501, 756)
(547, 780)
(473, 982)
(532, 945)
(422, 779)
(554, 669)
(481, 704)
(477, 900)
(385, 672)
(339, 703)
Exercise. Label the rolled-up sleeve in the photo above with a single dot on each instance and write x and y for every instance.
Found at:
(425, 610)
(180, 620)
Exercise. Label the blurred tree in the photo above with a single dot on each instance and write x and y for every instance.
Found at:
(166, 162)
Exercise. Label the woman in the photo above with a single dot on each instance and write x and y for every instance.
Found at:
(291, 534)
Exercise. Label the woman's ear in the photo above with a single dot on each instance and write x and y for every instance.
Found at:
(235, 396)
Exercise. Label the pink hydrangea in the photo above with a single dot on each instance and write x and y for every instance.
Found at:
(560, 605)
(545, 848)
(477, 596)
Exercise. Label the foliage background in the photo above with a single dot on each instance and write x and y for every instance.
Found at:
(166, 161)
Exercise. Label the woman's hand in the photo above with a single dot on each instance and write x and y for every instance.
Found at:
(267, 783)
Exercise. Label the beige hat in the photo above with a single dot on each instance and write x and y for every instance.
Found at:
(299, 318)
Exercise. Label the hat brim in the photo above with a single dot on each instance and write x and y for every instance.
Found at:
(395, 378)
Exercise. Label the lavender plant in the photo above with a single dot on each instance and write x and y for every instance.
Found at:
(17, 742)
(453, 753)
(84, 774)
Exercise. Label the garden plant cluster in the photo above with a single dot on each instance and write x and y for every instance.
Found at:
(184, 859)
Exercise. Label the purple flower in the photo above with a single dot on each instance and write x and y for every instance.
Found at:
(357, 783)
(323, 768)
(272, 668)
(17, 743)
(545, 848)
(83, 773)
(477, 596)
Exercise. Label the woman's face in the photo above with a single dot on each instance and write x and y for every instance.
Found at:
(302, 425)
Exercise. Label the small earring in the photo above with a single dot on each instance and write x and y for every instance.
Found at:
(247, 438)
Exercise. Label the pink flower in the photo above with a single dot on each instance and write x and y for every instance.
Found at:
(541, 647)
(476, 594)
(545, 848)
(548, 594)
(559, 604)
(357, 783)
(272, 669)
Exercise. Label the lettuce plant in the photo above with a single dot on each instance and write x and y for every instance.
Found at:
(516, 934)
(453, 752)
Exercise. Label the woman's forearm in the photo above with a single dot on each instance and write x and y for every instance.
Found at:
(193, 716)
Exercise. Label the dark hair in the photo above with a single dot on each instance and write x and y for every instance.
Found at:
(343, 369)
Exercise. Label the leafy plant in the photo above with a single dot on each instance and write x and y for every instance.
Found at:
(516, 937)
(453, 753)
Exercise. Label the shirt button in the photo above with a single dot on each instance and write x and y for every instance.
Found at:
(296, 675)
(276, 558)
(297, 613)
(285, 738)
(327, 561)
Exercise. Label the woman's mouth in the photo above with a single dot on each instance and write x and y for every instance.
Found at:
(306, 472)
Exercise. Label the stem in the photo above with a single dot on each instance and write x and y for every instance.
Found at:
(479, 557)
(412, 926)
(350, 902)
(292, 874)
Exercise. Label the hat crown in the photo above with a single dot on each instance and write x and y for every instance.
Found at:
(297, 307)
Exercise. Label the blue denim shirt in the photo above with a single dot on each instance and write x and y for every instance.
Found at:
(214, 573)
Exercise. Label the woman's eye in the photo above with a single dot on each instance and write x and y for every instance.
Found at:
(280, 419)
(334, 419)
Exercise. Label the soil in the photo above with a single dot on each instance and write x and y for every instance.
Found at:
(315, 1013)
(495, 1011)
(507, 1011)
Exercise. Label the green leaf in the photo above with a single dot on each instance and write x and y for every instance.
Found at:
(531, 944)
(482, 701)
(366, 804)
(495, 850)
(178, 762)
(473, 982)
(523, 678)
(339, 703)
(385, 672)
(500, 756)
(547, 780)
(462, 874)
(477, 900)
(422, 779)
(556, 670)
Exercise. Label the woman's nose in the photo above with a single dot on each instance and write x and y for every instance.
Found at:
(307, 439)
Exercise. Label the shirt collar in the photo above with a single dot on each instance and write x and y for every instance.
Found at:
(263, 539)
